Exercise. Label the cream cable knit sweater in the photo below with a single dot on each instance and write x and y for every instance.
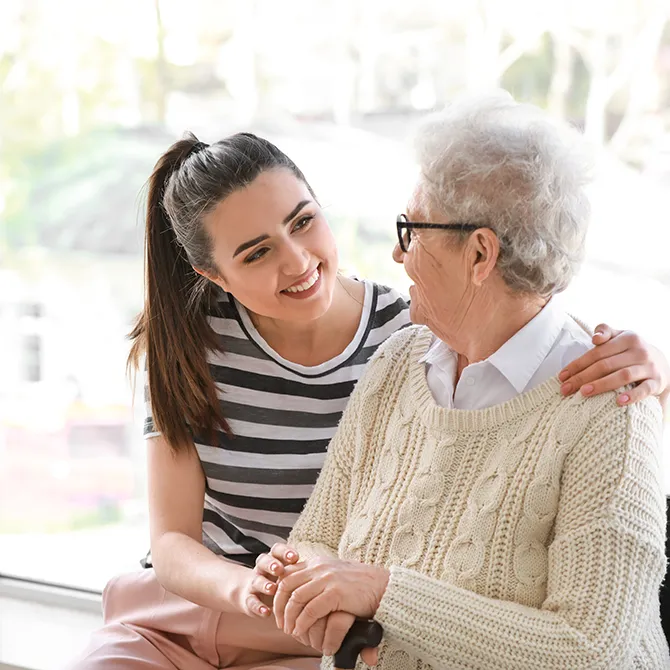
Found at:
(527, 535)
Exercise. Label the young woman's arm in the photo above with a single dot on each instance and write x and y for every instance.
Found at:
(184, 566)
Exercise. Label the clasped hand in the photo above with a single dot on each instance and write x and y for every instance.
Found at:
(317, 600)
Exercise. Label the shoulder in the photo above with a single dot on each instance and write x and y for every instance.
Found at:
(223, 315)
(604, 408)
(389, 311)
(220, 305)
(597, 427)
(615, 465)
(387, 295)
(575, 338)
(645, 420)
(397, 348)
(388, 371)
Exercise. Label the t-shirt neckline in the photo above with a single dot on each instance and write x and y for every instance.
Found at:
(311, 370)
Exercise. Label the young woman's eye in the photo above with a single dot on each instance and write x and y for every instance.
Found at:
(303, 222)
(257, 255)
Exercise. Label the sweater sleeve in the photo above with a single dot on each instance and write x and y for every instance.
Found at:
(320, 526)
(606, 563)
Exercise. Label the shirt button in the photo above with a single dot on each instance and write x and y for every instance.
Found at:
(470, 381)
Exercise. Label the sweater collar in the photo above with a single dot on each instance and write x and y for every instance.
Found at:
(453, 421)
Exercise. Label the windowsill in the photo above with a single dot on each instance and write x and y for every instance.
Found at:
(42, 626)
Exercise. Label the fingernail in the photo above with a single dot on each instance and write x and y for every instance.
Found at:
(564, 375)
(587, 389)
(290, 555)
(274, 567)
(264, 611)
(623, 398)
(268, 587)
(566, 388)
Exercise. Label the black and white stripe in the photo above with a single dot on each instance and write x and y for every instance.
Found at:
(282, 416)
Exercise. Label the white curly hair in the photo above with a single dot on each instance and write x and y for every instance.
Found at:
(493, 161)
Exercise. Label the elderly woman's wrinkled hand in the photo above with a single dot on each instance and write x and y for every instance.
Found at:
(618, 359)
(312, 590)
(327, 636)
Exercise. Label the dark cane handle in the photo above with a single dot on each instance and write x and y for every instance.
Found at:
(363, 633)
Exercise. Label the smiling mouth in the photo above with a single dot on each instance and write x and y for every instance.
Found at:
(306, 285)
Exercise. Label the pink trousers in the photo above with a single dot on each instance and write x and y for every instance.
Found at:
(145, 627)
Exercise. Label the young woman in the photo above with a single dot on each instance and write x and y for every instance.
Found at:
(253, 344)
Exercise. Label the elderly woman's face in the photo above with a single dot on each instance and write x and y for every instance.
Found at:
(438, 265)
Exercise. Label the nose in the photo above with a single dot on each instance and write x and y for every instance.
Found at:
(398, 253)
(295, 259)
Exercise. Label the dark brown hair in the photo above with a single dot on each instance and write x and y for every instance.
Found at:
(188, 181)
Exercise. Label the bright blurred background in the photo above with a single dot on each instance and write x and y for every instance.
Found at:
(93, 92)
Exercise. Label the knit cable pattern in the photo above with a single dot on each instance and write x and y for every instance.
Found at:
(525, 535)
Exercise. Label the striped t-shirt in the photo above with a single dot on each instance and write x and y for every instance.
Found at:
(282, 416)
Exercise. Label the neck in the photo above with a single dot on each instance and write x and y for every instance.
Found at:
(314, 342)
(498, 318)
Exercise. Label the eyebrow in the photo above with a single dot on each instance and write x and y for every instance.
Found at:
(287, 219)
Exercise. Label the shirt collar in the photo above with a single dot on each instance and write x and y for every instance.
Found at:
(438, 352)
(521, 356)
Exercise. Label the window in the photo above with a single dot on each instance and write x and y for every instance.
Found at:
(32, 309)
(32, 358)
(90, 101)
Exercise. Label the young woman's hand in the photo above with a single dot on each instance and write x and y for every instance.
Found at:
(263, 583)
(618, 359)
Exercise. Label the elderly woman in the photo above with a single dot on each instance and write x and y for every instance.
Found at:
(482, 518)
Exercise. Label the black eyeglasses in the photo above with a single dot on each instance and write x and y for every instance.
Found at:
(405, 229)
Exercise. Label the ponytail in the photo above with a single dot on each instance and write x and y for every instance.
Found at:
(173, 330)
(189, 180)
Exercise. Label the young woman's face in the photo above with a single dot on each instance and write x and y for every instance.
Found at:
(273, 248)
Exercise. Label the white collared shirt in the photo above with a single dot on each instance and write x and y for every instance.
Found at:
(537, 352)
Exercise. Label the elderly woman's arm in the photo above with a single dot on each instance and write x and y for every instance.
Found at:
(320, 526)
(605, 566)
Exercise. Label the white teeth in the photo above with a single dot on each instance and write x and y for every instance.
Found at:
(305, 285)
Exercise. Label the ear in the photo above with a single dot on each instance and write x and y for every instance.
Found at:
(485, 251)
(214, 278)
